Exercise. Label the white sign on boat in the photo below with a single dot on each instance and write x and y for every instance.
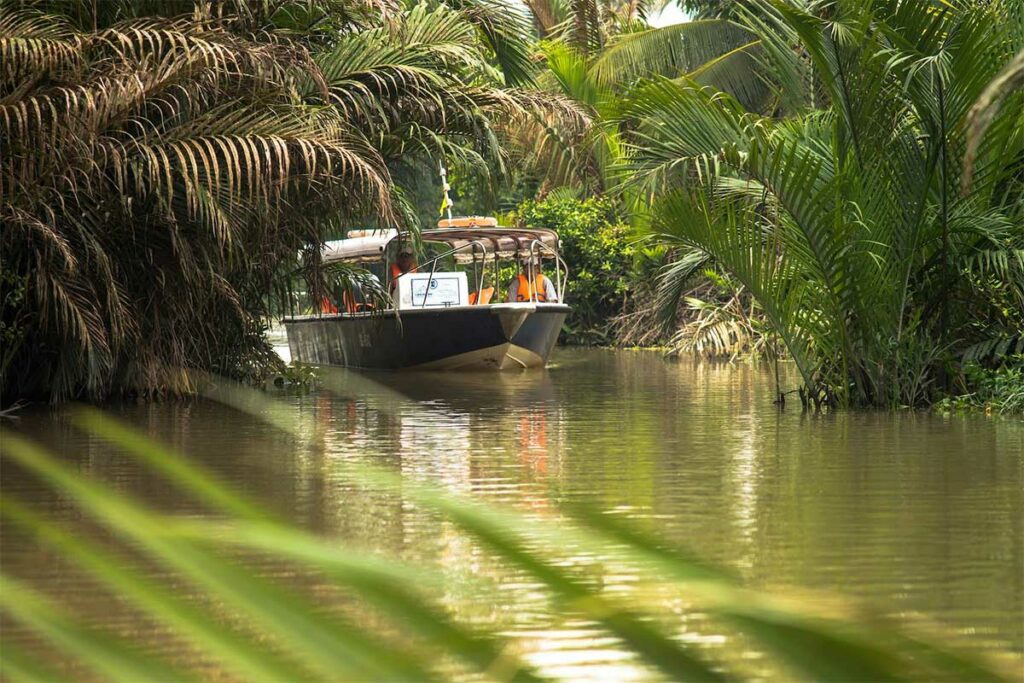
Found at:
(440, 290)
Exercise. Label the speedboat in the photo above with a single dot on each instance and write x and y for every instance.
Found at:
(451, 312)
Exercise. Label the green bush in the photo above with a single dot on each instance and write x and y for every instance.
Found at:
(597, 248)
(992, 390)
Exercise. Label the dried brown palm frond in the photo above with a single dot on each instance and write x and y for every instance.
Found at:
(32, 43)
(717, 325)
(151, 176)
(546, 131)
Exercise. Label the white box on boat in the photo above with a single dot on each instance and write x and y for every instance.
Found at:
(440, 290)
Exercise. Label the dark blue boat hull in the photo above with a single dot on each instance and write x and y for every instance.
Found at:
(497, 337)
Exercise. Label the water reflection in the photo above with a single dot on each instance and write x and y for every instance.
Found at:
(914, 512)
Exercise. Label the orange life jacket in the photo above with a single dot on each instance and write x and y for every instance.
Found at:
(396, 273)
(524, 291)
(326, 306)
(349, 302)
(482, 297)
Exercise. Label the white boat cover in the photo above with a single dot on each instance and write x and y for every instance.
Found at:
(361, 245)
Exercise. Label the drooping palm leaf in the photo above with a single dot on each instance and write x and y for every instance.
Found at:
(669, 50)
(505, 29)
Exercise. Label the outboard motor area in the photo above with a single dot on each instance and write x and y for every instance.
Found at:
(432, 290)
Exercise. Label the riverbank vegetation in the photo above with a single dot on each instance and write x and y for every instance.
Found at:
(162, 166)
(840, 183)
(854, 226)
(256, 598)
(830, 161)
(988, 390)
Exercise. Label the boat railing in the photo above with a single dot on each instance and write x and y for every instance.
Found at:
(454, 250)
(537, 247)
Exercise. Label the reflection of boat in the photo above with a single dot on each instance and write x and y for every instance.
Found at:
(505, 391)
(440, 319)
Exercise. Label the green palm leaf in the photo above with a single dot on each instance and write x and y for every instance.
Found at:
(668, 51)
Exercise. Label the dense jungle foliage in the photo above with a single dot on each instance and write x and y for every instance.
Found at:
(858, 229)
(837, 181)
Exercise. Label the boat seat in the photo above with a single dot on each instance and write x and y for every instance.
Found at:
(481, 298)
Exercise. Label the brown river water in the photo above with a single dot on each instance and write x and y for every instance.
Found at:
(914, 513)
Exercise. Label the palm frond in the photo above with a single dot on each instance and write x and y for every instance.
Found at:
(668, 51)
(31, 43)
(506, 32)
(1002, 88)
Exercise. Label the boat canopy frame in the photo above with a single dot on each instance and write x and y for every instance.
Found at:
(472, 244)
(535, 250)
(497, 242)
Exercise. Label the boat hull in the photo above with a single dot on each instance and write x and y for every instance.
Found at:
(497, 337)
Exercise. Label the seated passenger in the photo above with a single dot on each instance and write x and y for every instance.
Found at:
(403, 264)
(541, 290)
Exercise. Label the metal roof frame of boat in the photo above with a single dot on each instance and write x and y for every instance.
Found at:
(505, 242)
(369, 245)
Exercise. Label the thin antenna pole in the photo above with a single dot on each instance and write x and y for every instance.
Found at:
(447, 202)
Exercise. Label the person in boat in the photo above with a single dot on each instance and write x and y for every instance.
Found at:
(355, 298)
(541, 289)
(404, 263)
